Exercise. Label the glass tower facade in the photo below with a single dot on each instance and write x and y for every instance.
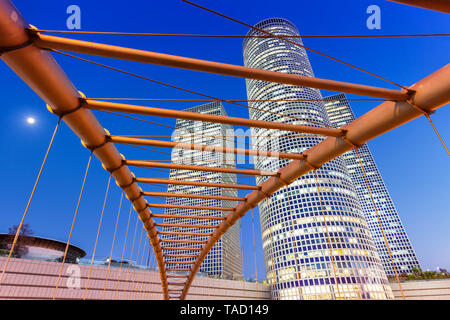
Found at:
(340, 113)
(224, 259)
(358, 273)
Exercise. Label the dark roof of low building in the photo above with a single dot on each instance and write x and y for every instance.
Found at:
(45, 243)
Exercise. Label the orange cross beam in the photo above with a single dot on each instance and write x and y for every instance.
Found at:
(182, 241)
(196, 116)
(179, 269)
(180, 255)
(180, 206)
(185, 233)
(181, 248)
(149, 164)
(203, 147)
(173, 216)
(196, 183)
(194, 226)
(436, 5)
(116, 52)
(192, 196)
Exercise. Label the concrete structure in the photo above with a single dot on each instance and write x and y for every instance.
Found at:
(340, 113)
(423, 289)
(224, 258)
(32, 279)
(42, 248)
(358, 269)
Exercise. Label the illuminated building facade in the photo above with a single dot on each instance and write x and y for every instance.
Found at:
(358, 273)
(224, 259)
(340, 113)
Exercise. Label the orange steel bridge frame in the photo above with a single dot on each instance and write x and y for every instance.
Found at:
(27, 53)
(437, 5)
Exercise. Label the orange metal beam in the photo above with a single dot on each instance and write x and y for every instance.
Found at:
(180, 206)
(175, 225)
(182, 248)
(436, 5)
(104, 50)
(431, 93)
(149, 164)
(179, 269)
(183, 241)
(184, 233)
(195, 116)
(173, 216)
(191, 196)
(196, 183)
(203, 147)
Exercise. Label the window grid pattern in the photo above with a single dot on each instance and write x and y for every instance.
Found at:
(224, 259)
(340, 113)
(359, 272)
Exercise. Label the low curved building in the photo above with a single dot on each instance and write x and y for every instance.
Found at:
(37, 248)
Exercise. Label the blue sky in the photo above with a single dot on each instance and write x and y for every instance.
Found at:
(413, 163)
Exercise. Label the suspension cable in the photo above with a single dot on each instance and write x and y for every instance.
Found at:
(437, 133)
(254, 246)
(274, 271)
(147, 149)
(241, 36)
(147, 270)
(19, 228)
(71, 228)
(233, 255)
(132, 249)
(379, 222)
(294, 43)
(268, 137)
(247, 100)
(242, 252)
(96, 238)
(123, 251)
(186, 90)
(155, 123)
(144, 254)
(137, 263)
(150, 265)
(112, 246)
(294, 243)
(328, 235)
